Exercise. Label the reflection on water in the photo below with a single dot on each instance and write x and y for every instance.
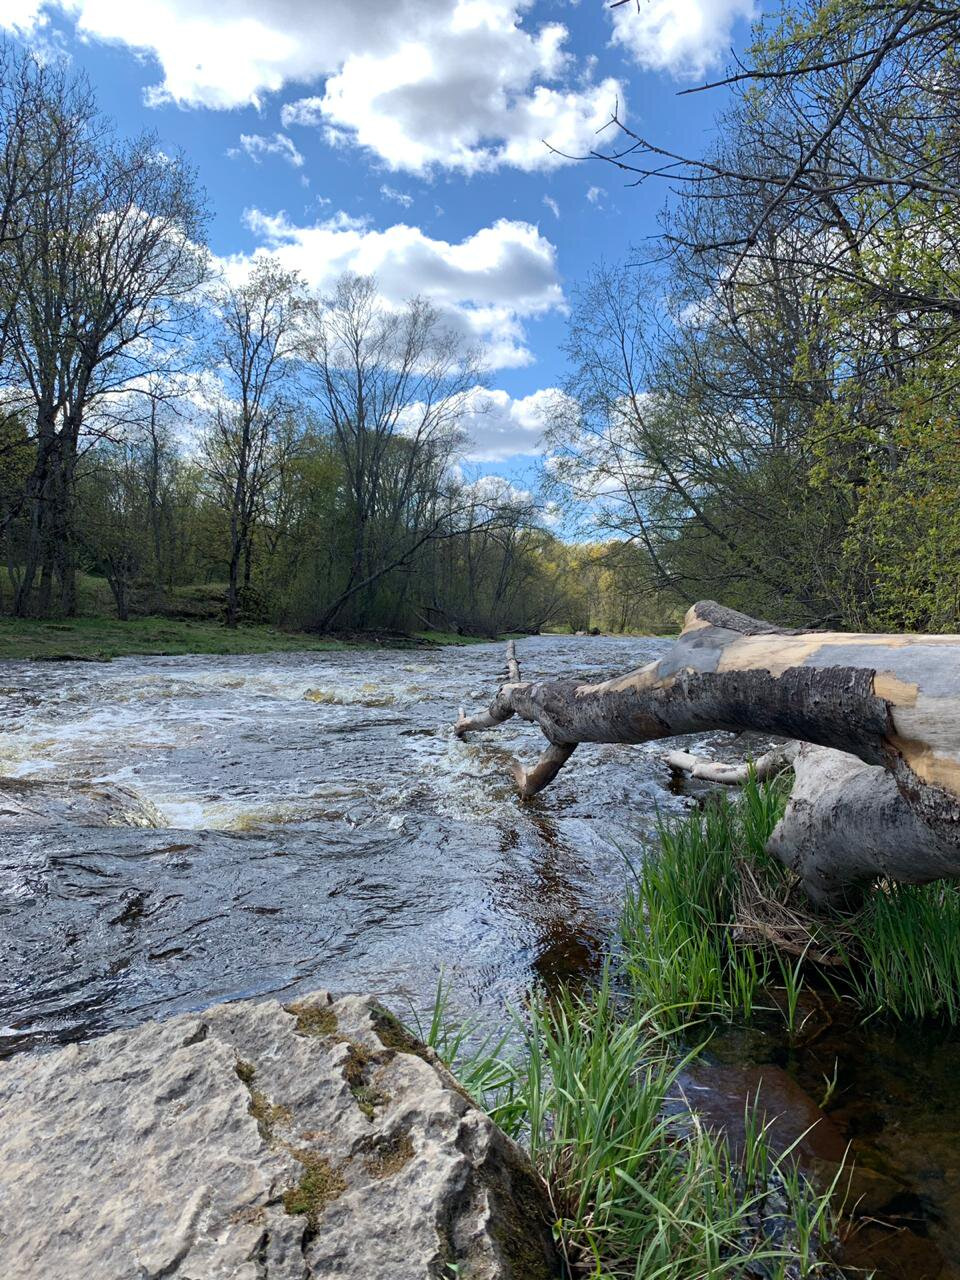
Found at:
(318, 826)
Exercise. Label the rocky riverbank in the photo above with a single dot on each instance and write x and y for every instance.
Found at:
(258, 1141)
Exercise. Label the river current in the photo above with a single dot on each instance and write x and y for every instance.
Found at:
(316, 825)
(309, 821)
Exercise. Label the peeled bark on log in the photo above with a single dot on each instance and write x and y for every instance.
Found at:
(891, 701)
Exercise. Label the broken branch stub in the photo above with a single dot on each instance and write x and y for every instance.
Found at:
(731, 775)
(891, 701)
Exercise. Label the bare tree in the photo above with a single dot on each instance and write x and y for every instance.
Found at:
(25, 85)
(391, 388)
(488, 576)
(107, 257)
(255, 347)
(115, 531)
(844, 122)
(685, 429)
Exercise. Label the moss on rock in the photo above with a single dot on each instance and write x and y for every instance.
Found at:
(313, 1019)
(392, 1034)
(267, 1114)
(245, 1071)
(389, 1155)
(319, 1185)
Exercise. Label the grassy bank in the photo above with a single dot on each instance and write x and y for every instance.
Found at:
(99, 638)
(103, 638)
(713, 926)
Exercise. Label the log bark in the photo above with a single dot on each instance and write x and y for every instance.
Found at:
(847, 824)
(890, 701)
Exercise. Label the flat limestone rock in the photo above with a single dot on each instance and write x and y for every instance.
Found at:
(260, 1142)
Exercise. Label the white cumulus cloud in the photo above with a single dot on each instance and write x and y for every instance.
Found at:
(498, 426)
(485, 285)
(685, 37)
(21, 15)
(460, 84)
(468, 97)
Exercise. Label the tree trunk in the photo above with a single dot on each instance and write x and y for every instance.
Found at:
(116, 578)
(233, 594)
(233, 574)
(65, 527)
(890, 701)
(38, 502)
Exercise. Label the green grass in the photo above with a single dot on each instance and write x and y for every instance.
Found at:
(450, 637)
(639, 1189)
(905, 952)
(681, 952)
(688, 952)
(189, 621)
(104, 638)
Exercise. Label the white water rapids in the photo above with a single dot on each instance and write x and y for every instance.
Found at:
(314, 824)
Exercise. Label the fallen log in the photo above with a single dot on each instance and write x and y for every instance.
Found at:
(887, 705)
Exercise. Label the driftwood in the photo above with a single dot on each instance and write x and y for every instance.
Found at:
(731, 775)
(883, 800)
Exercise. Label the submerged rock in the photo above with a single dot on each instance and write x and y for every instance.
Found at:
(721, 1094)
(260, 1142)
(28, 803)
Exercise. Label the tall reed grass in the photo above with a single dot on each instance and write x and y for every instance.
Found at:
(681, 949)
(640, 1190)
(690, 951)
(904, 952)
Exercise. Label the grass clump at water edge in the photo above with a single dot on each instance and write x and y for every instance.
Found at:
(639, 1189)
(712, 925)
(682, 951)
(905, 952)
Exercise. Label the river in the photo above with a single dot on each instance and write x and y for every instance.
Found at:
(308, 820)
(317, 825)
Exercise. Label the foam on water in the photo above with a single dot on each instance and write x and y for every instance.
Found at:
(319, 825)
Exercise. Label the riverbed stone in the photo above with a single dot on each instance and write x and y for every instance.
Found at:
(721, 1094)
(28, 803)
(258, 1141)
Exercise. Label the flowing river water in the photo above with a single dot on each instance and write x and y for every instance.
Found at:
(316, 825)
(308, 820)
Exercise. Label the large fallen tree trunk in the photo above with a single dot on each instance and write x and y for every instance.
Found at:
(892, 702)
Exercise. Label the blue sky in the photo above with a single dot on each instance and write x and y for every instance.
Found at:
(404, 138)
